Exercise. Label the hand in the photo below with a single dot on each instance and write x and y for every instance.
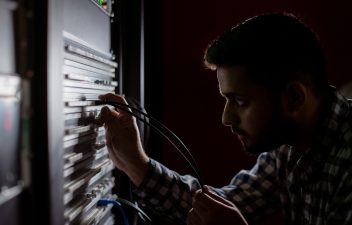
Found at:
(211, 209)
(123, 140)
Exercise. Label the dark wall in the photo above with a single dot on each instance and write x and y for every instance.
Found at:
(185, 95)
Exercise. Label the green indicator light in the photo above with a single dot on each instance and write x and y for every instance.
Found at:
(100, 2)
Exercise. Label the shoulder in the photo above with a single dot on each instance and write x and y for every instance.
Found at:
(274, 161)
(343, 146)
(339, 161)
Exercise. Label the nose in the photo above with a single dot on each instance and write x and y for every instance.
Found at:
(230, 116)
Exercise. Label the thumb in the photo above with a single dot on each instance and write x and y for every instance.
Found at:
(216, 197)
(118, 99)
(106, 116)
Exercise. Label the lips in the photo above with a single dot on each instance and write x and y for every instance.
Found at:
(238, 131)
(242, 139)
(241, 135)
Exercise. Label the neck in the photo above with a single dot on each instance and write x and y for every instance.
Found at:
(310, 124)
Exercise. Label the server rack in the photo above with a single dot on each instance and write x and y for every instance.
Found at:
(67, 55)
(80, 66)
(75, 63)
(11, 184)
(89, 71)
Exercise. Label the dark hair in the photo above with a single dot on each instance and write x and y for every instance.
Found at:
(274, 48)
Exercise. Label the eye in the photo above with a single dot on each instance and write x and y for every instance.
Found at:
(240, 102)
(236, 100)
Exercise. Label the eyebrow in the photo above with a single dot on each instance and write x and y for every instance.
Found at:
(231, 94)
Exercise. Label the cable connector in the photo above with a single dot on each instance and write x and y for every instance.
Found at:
(105, 202)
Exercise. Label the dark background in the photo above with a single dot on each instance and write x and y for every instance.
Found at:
(184, 95)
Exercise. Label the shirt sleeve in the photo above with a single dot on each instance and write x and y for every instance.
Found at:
(341, 210)
(256, 192)
(167, 192)
(252, 191)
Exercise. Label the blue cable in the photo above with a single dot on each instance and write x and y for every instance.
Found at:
(104, 202)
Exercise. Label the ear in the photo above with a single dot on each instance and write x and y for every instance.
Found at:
(295, 97)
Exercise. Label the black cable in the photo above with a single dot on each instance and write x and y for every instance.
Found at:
(192, 164)
(190, 161)
(165, 128)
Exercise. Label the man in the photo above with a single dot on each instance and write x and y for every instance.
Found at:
(271, 71)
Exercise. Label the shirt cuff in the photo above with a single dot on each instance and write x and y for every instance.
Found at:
(150, 180)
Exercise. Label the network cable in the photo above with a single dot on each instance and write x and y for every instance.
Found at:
(119, 201)
(141, 213)
(190, 159)
(104, 202)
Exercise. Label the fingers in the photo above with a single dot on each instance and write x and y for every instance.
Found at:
(206, 200)
(193, 218)
(106, 116)
(115, 98)
(204, 209)
(216, 197)
(108, 141)
(201, 202)
(202, 198)
(209, 208)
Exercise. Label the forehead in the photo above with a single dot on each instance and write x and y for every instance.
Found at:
(233, 79)
(237, 81)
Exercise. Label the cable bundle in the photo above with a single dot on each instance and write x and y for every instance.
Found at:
(162, 130)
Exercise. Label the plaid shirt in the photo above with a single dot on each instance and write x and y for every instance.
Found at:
(312, 188)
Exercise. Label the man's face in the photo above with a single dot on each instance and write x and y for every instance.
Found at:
(251, 110)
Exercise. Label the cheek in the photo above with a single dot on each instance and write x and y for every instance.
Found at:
(258, 122)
